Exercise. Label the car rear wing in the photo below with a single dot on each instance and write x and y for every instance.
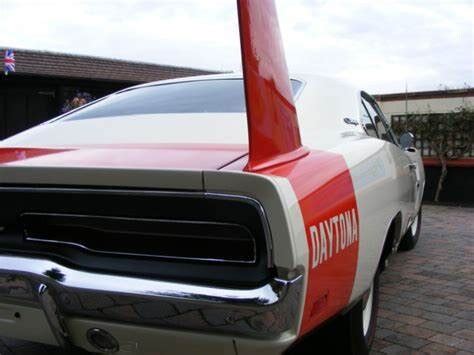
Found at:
(274, 135)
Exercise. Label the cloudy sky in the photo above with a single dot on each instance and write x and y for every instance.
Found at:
(377, 45)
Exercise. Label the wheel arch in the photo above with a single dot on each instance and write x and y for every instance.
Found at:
(392, 238)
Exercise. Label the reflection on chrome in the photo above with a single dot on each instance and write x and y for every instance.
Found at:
(266, 311)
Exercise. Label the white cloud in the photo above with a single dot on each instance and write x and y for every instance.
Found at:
(381, 45)
(375, 45)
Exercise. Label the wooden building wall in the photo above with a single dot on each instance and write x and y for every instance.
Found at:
(27, 101)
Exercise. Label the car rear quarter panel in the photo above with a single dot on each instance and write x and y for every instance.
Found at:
(383, 188)
(309, 193)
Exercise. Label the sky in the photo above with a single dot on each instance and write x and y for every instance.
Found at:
(379, 46)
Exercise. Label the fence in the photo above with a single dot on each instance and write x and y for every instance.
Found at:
(404, 123)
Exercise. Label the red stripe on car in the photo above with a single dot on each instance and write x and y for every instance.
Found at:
(323, 186)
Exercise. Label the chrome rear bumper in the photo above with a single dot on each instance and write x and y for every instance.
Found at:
(63, 292)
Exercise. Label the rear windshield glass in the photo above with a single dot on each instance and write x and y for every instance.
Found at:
(183, 97)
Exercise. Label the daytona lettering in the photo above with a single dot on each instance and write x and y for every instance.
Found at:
(332, 236)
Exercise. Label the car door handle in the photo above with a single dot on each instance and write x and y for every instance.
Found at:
(351, 121)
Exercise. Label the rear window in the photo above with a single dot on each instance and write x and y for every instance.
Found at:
(183, 97)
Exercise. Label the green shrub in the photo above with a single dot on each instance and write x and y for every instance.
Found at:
(450, 135)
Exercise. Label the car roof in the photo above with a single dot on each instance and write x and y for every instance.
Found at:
(328, 82)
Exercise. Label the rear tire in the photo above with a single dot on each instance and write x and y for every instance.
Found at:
(352, 333)
(412, 235)
(362, 321)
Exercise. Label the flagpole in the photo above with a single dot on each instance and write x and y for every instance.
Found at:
(406, 98)
(406, 104)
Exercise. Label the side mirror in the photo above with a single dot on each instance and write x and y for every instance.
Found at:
(407, 141)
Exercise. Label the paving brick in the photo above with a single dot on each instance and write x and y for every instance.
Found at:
(442, 318)
(467, 334)
(435, 348)
(409, 311)
(445, 339)
(469, 315)
(382, 333)
(433, 308)
(466, 345)
(459, 306)
(384, 313)
(391, 306)
(388, 323)
(402, 318)
(407, 340)
(436, 300)
(396, 349)
(416, 331)
(433, 283)
(441, 327)
(379, 344)
(463, 324)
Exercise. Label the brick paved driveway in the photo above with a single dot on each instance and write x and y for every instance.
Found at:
(427, 295)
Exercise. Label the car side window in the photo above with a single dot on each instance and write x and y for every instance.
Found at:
(367, 121)
(381, 125)
(390, 134)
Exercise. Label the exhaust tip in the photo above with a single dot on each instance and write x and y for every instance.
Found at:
(102, 340)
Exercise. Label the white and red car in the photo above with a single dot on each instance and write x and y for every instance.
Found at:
(226, 214)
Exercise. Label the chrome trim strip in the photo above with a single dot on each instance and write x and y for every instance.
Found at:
(157, 256)
(265, 311)
(197, 194)
(85, 280)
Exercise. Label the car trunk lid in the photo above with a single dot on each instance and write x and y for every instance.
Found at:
(164, 166)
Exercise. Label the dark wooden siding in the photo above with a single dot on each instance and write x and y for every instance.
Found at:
(28, 101)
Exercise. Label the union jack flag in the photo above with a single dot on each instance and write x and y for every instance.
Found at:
(9, 61)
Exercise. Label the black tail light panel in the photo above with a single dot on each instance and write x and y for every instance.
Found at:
(197, 237)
